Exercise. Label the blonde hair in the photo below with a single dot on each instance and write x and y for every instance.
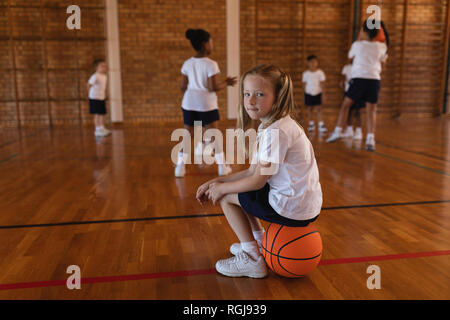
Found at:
(284, 94)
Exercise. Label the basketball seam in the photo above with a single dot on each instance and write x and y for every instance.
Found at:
(298, 275)
(283, 257)
(279, 251)
(273, 243)
(304, 235)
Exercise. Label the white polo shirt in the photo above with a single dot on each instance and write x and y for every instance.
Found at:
(367, 57)
(313, 80)
(198, 97)
(295, 190)
(98, 89)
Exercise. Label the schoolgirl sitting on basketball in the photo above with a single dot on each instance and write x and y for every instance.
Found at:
(281, 185)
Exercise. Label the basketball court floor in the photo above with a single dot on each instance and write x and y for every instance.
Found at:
(113, 207)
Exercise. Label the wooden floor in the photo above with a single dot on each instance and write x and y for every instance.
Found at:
(114, 208)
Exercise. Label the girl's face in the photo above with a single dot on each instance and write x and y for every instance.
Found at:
(259, 97)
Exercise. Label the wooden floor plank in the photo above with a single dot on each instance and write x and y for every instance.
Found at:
(64, 175)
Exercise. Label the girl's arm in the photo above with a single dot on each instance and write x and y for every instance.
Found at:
(89, 85)
(254, 181)
(230, 178)
(215, 84)
(184, 83)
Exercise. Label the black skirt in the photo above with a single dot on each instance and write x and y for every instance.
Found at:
(256, 203)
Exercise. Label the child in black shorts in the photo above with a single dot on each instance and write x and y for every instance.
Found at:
(97, 95)
(314, 79)
(368, 56)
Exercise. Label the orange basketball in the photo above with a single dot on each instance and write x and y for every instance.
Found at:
(292, 251)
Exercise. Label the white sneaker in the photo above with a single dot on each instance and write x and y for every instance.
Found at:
(236, 248)
(358, 134)
(370, 144)
(224, 169)
(348, 133)
(180, 170)
(334, 137)
(242, 265)
(322, 128)
(99, 133)
(105, 131)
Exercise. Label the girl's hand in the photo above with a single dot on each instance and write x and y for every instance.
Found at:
(201, 196)
(215, 192)
(231, 81)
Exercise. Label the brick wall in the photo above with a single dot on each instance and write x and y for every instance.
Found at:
(448, 91)
(272, 31)
(45, 63)
(154, 47)
(412, 89)
(248, 26)
(47, 66)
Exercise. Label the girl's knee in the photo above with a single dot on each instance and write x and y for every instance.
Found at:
(231, 198)
(225, 200)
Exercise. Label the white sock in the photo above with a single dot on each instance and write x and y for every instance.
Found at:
(338, 130)
(258, 235)
(320, 123)
(370, 136)
(251, 248)
(358, 129)
(98, 128)
(182, 158)
(349, 128)
(220, 158)
(311, 123)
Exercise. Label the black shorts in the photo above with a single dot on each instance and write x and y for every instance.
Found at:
(257, 204)
(205, 117)
(357, 105)
(364, 90)
(313, 100)
(97, 106)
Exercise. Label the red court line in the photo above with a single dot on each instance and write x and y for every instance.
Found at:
(385, 257)
(187, 273)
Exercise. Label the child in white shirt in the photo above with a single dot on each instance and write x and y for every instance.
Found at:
(355, 109)
(281, 185)
(97, 96)
(314, 79)
(199, 83)
(368, 56)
